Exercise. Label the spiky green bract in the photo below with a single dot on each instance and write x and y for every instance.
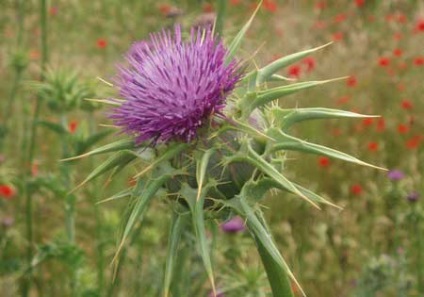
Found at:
(230, 170)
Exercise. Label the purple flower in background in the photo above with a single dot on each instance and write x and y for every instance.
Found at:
(234, 225)
(172, 87)
(413, 197)
(218, 294)
(395, 175)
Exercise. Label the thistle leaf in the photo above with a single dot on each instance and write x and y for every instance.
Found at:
(199, 227)
(276, 268)
(201, 167)
(114, 161)
(268, 71)
(54, 127)
(256, 160)
(170, 152)
(123, 144)
(144, 192)
(284, 119)
(235, 44)
(178, 224)
(264, 97)
(122, 194)
(93, 139)
(287, 142)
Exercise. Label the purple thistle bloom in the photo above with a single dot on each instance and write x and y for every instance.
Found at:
(234, 225)
(172, 87)
(413, 197)
(395, 175)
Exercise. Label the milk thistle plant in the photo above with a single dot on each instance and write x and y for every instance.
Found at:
(214, 137)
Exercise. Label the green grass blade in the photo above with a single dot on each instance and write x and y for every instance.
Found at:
(235, 44)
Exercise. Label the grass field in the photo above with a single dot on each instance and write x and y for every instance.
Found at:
(54, 242)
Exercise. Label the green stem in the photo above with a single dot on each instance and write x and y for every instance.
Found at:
(31, 151)
(97, 216)
(419, 248)
(219, 24)
(69, 201)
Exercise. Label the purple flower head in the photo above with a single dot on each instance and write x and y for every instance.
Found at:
(413, 197)
(234, 225)
(395, 175)
(172, 87)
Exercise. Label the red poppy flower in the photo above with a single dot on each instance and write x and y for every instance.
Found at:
(337, 36)
(323, 161)
(270, 5)
(419, 26)
(356, 189)
(401, 18)
(72, 126)
(310, 63)
(359, 3)
(384, 61)
(7, 192)
(101, 43)
(413, 142)
(319, 25)
(381, 125)
(53, 10)
(419, 61)
(320, 5)
(368, 122)
(397, 52)
(340, 18)
(402, 128)
(372, 146)
(406, 104)
(351, 81)
(294, 71)
(397, 36)
(235, 2)
(164, 9)
(343, 100)
(207, 8)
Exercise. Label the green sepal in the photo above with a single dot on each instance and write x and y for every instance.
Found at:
(235, 44)
(179, 222)
(287, 142)
(286, 118)
(123, 144)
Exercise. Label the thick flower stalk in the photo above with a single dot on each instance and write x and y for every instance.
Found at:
(213, 138)
(172, 87)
